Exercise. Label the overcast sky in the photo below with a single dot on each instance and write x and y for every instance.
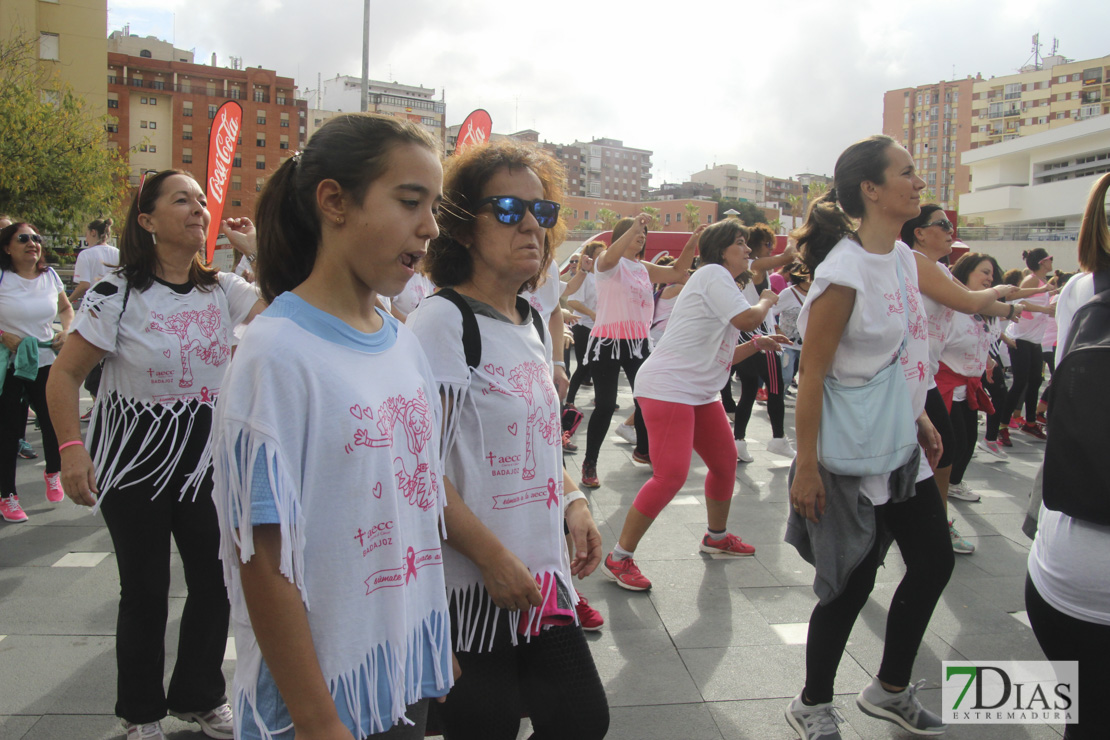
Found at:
(777, 87)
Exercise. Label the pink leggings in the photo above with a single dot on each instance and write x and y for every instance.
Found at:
(682, 429)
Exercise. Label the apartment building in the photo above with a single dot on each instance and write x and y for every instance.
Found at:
(604, 168)
(732, 182)
(672, 212)
(161, 103)
(69, 38)
(343, 94)
(938, 122)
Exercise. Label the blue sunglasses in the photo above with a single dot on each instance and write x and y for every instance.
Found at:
(510, 210)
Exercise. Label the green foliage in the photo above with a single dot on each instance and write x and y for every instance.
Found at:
(693, 215)
(750, 213)
(653, 213)
(588, 226)
(56, 170)
(607, 218)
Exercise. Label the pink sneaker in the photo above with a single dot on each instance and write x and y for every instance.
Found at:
(625, 573)
(11, 510)
(730, 545)
(54, 492)
(589, 618)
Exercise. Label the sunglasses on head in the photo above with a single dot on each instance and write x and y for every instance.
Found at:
(24, 238)
(510, 210)
(943, 223)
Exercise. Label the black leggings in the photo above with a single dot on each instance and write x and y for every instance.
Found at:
(938, 415)
(997, 391)
(581, 369)
(551, 678)
(13, 422)
(921, 531)
(965, 430)
(1028, 369)
(1049, 357)
(606, 372)
(1063, 637)
(766, 367)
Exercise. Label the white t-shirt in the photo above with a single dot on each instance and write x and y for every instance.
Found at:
(940, 324)
(876, 326)
(660, 319)
(691, 362)
(786, 312)
(752, 296)
(28, 308)
(1032, 325)
(545, 298)
(1074, 294)
(503, 452)
(967, 345)
(94, 263)
(1069, 564)
(416, 289)
(587, 296)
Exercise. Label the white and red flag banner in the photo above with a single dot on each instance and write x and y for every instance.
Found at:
(476, 129)
(223, 137)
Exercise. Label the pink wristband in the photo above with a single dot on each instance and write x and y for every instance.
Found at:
(70, 444)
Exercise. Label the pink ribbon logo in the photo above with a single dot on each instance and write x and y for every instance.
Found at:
(921, 371)
(204, 397)
(410, 565)
(552, 495)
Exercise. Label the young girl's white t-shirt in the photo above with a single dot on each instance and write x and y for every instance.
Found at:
(788, 308)
(28, 308)
(691, 362)
(94, 263)
(587, 296)
(876, 326)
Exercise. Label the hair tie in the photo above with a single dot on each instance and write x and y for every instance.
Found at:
(297, 158)
(832, 195)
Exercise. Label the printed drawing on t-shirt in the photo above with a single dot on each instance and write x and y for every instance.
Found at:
(414, 478)
(524, 381)
(198, 333)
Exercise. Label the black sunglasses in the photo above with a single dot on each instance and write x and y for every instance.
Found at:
(510, 210)
(943, 223)
(24, 238)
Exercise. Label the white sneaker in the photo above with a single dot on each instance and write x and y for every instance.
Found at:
(819, 722)
(781, 446)
(627, 433)
(215, 723)
(993, 449)
(149, 731)
(742, 451)
(962, 492)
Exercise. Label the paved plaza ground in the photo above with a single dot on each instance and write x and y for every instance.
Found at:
(714, 651)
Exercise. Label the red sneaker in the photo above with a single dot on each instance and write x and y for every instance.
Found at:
(1034, 430)
(589, 618)
(1016, 422)
(730, 545)
(642, 459)
(1004, 437)
(625, 573)
(761, 395)
(589, 476)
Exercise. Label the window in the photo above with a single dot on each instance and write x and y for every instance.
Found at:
(212, 111)
(48, 46)
(112, 128)
(153, 149)
(142, 124)
(238, 161)
(260, 139)
(186, 109)
(283, 143)
(678, 218)
(285, 120)
(154, 124)
(261, 118)
(281, 100)
(145, 53)
(258, 183)
(142, 101)
(667, 220)
(236, 182)
(260, 162)
(142, 147)
(154, 101)
(236, 93)
(260, 96)
(113, 102)
(187, 132)
(187, 156)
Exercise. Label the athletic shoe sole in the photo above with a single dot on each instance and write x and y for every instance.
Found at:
(613, 577)
(878, 713)
(714, 551)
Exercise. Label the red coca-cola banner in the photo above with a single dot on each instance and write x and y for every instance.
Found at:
(476, 129)
(223, 137)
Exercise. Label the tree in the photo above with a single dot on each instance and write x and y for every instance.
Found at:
(607, 218)
(653, 214)
(776, 225)
(750, 213)
(55, 166)
(693, 216)
(816, 190)
(797, 206)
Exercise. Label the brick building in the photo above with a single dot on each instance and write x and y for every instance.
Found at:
(160, 109)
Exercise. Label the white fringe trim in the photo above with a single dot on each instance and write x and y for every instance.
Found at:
(596, 343)
(472, 626)
(116, 420)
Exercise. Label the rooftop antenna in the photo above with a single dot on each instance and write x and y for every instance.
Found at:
(1055, 45)
(1036, 51)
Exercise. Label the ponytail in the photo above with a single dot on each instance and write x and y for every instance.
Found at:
(287, 237)
(1094, 235)
(825, 225)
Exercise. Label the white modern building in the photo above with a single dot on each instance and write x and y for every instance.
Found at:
(343, 94)
(733, 182)
(1038, 183)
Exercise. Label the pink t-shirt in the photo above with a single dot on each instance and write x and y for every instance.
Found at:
(625, 303)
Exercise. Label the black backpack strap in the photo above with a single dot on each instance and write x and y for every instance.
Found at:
(472, 339)
(1102, 281)
(523, 308)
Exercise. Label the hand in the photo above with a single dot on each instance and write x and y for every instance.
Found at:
(585, 263)
(991, 365)
(807, 493)
(769, 297)
(78, 475)
(640, 224)
(701, 228)
(587, 540)
(929, 439)
(569, 319)
(771, 342)
(241, 235)
(1005, 291)
(791, 248)
(1052, 310)
(509, 583)
(58, 341)
(11, 341)
(562, 382)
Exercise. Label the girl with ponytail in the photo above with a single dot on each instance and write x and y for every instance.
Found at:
(326, 443)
